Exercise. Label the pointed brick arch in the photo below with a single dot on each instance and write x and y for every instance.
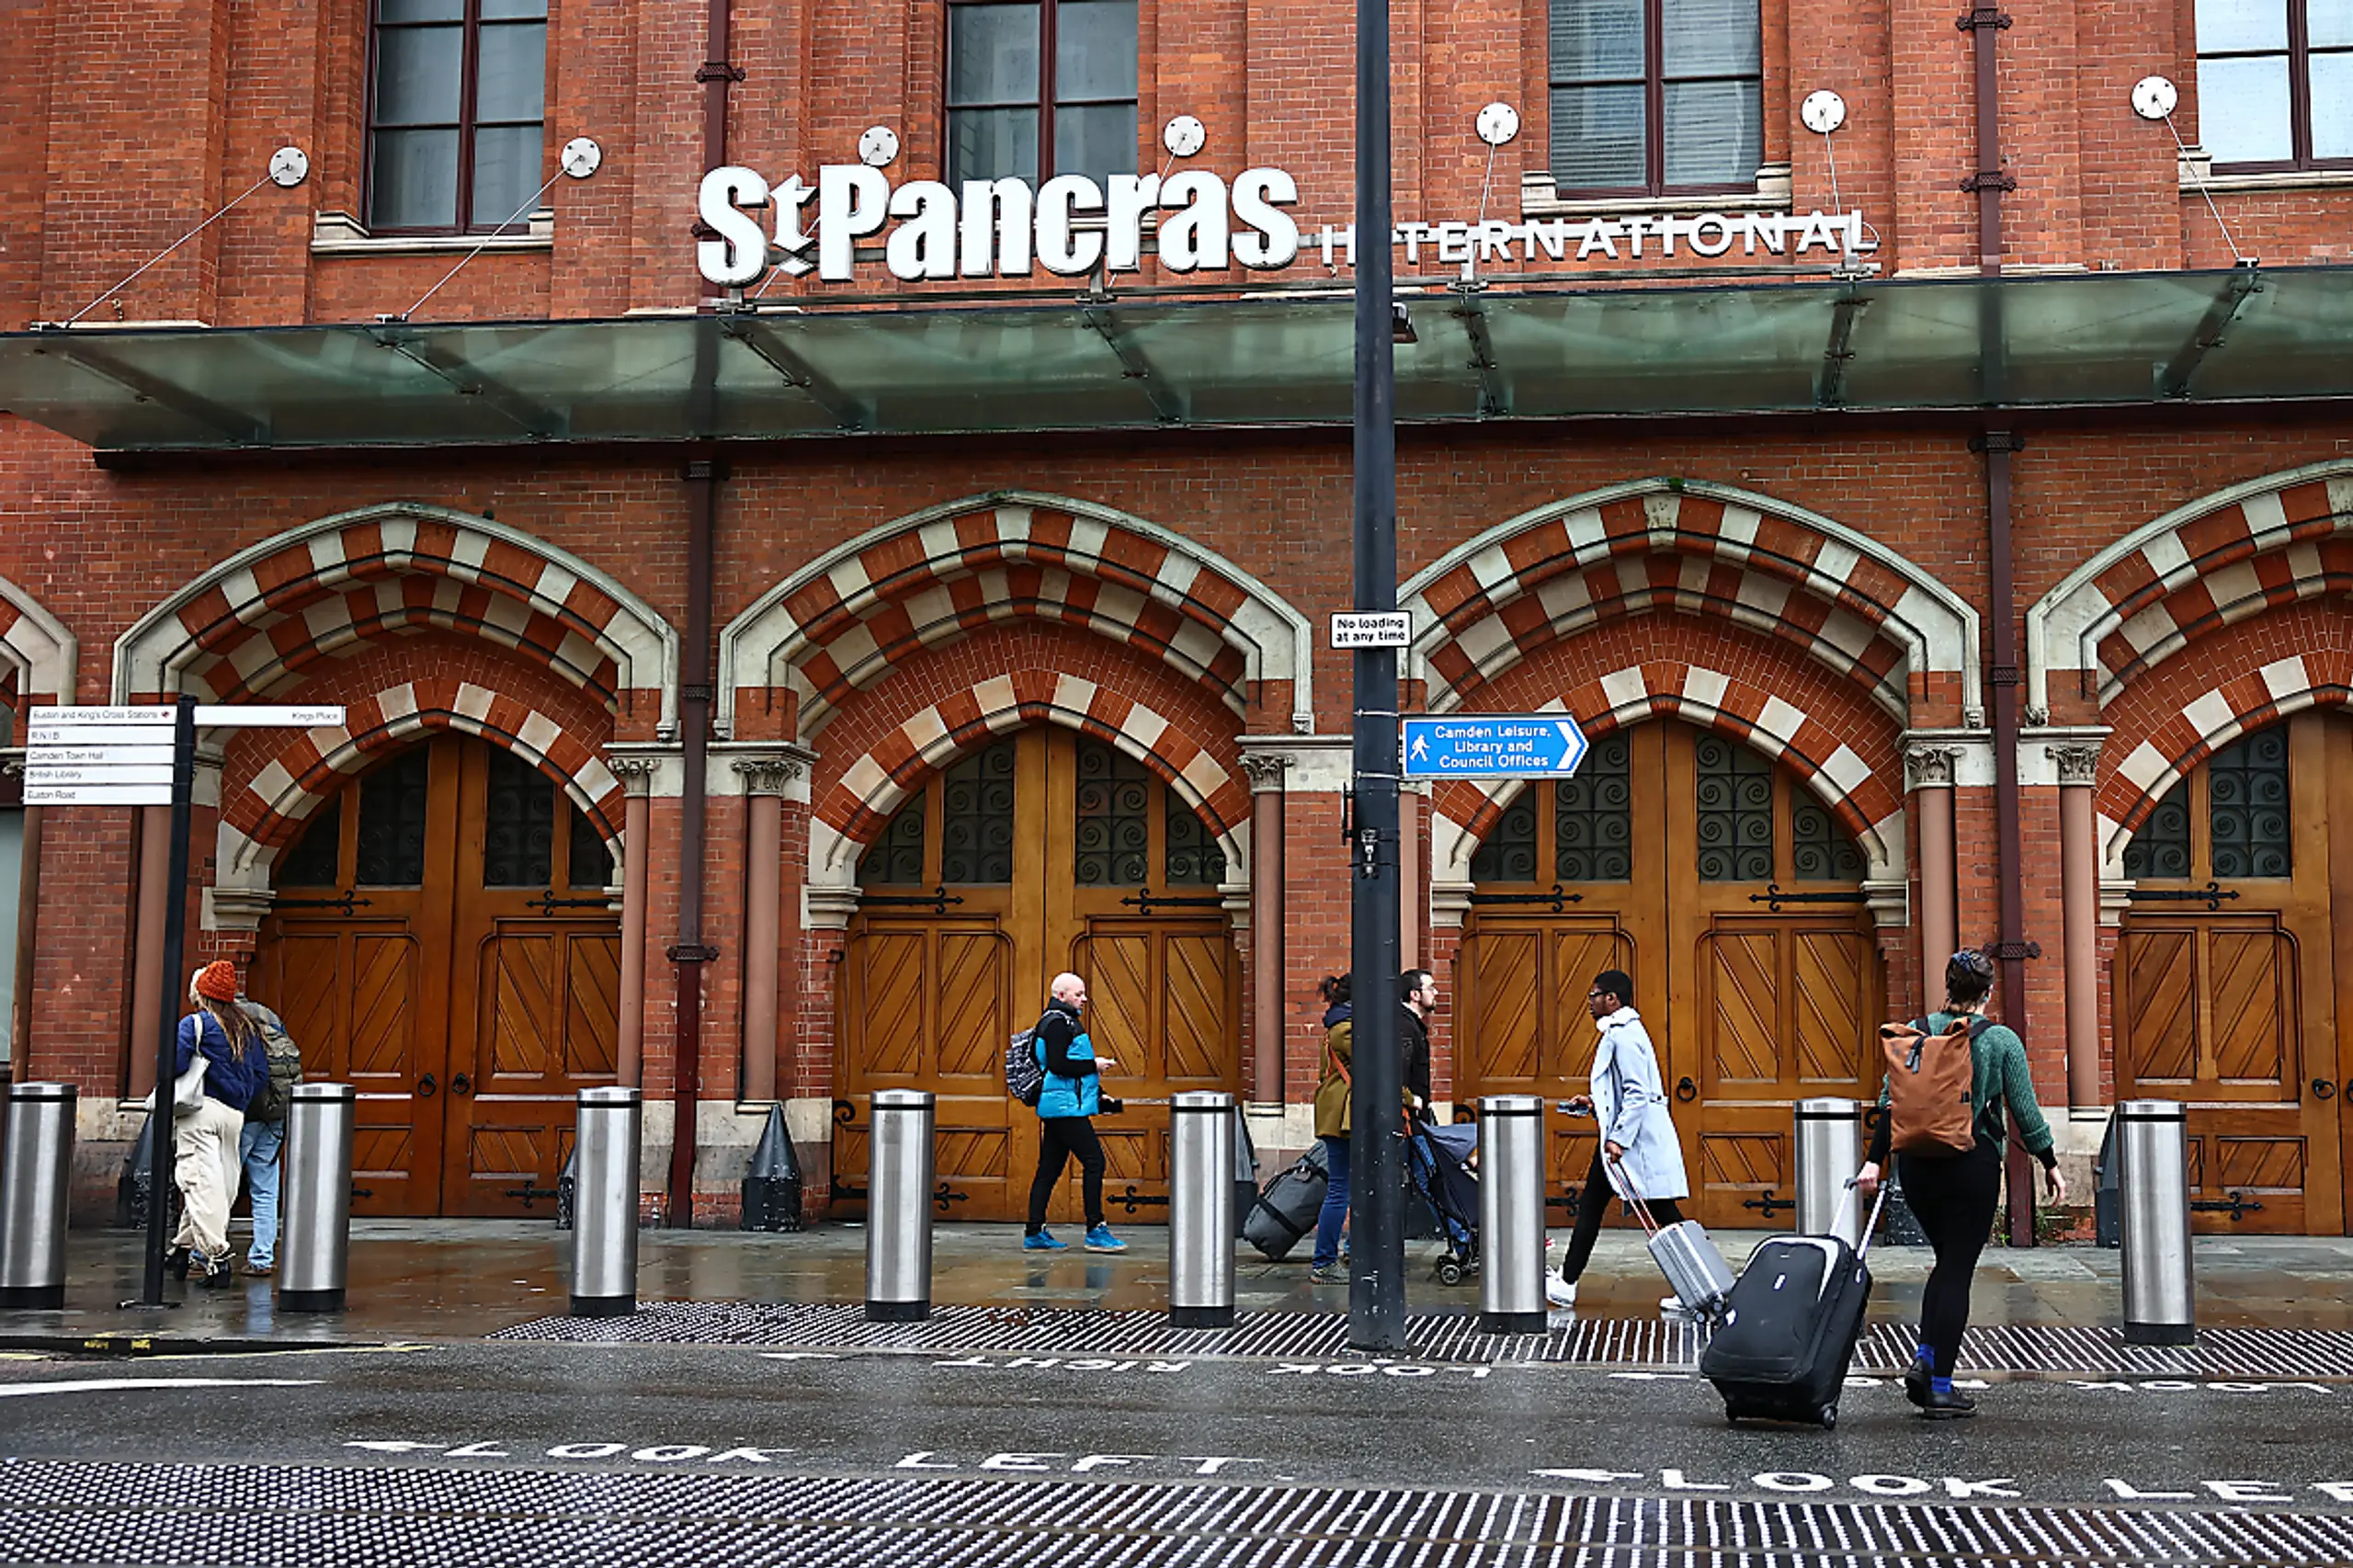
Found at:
(257, 621)
(270, 791)
(845, 621)
(1666, 544)
(2224, 559)
(904, 735)
(1839, 743)
(36, 654)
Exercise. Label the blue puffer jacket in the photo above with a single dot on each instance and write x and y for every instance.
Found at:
(1067, 1056)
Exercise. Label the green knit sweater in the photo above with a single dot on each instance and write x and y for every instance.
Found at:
(2002, 1080)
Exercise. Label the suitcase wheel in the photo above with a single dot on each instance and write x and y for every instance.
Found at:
(1828, 1416)
(1449, 1273)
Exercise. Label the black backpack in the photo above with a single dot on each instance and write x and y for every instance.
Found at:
(1024, 1075)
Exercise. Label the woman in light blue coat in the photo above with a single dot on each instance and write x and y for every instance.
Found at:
(1639, 1148)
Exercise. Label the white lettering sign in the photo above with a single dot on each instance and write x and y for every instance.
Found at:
(1372, 629)
(1071, 225)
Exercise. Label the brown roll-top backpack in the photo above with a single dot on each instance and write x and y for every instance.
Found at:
(1929, 1078)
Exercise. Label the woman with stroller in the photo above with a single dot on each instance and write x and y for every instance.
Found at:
(1638, 1142)
(1953, 1196)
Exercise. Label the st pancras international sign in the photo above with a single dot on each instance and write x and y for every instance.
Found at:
(1073, 226)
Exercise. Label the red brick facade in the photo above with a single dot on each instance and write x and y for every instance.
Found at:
(120, 131)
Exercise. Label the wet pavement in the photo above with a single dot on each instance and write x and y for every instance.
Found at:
(1045, 1416)
(465, 1278)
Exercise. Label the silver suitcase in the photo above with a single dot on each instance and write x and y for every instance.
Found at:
(1701, 1279)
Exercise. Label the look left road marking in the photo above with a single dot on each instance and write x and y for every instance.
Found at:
(100, 1385)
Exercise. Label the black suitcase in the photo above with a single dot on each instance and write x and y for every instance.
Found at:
(1790, 1328)
(1286, 1209)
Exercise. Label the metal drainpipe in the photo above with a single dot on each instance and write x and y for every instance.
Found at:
(704, 475)
(1985, 24)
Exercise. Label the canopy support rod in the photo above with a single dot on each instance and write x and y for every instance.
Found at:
(1840, 351)
(1135, 366)
(1483, 353)
(535, 419)
(242, 428)
(2242, 285)
(787, 361)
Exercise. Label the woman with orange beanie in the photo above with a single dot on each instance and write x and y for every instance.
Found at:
(204, 1141)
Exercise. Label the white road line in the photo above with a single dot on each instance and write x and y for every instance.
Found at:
(95, 1385)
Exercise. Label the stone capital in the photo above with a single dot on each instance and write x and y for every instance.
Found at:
(1931, 767)
(2078, 763)
(636, 773)
(1265, 769)
(767, 775)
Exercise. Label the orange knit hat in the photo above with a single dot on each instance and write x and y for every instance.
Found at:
(217, 980)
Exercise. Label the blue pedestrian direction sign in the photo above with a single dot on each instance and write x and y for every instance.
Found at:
(1494, 745)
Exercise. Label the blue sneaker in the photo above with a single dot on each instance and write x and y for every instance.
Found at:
(1043, 1242)
(1100, 1239)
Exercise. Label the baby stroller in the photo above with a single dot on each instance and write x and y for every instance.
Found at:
(1443, 1161)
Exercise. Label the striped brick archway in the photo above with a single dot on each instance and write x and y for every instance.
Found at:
(258, 621)
(36, 654)
(1662, 544)
(842, 623)
(859, 800)
(1863, 791)
(2220, 559)
(266, 812)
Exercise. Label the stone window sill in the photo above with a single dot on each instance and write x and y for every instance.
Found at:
(2199, 164)
(338, 234)
(1541, 197)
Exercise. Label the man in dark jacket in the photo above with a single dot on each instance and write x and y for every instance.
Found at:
(1066, 1106)
(1418, 994)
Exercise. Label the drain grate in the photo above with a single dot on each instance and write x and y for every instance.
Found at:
(2251, 1353)
(142, 1513)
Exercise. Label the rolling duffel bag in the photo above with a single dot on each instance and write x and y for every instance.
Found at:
(1286, 1209)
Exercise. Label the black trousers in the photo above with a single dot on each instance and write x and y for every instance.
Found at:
(1953, 1198)
(1060, 1137)
(1593, 1207)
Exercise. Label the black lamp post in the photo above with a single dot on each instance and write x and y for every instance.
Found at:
(1377, 1286)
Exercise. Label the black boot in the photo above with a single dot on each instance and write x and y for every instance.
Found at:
(175, 1263)
(1950, 1406)
(1916, 1383)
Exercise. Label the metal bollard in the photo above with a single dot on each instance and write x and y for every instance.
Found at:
(34, 1185)
(2160, 1298)
(314, 1199)
(1201, 1209)
(604, 1227)
(898, 1207)
(1511, 1214)
(1830, 1144)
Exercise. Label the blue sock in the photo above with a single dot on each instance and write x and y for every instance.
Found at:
(1925, 1356)
(1940, 1385)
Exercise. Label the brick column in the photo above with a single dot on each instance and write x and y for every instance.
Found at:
(1929, 769)
(1266, 770)
(766, 778)
(636, 774)
(2078, 764)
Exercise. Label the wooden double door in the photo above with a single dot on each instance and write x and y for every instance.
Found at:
(443, 939)
(1713, 877)
(2233, 981)
(1043, 852)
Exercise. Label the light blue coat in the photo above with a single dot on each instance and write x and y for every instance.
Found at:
(1630, 1105)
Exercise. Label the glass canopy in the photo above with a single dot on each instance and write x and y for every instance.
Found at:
(2093, 339)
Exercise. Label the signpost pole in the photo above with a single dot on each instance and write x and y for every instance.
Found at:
(167, 1029)
(1377, 1284)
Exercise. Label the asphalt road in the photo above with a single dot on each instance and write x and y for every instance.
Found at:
(462, 1453)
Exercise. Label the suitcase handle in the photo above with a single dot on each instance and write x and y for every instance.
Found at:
(1626, 1190)
(1871, 1227)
